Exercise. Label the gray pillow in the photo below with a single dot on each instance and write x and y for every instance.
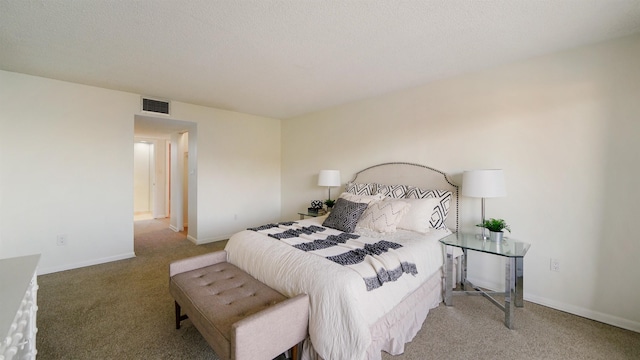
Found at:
(345, 215)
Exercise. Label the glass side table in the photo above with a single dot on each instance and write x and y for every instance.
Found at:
(303, 214)
(513, 250)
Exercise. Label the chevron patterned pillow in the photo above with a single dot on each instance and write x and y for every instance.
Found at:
(383, 216)
(393, 191)
(361, 198)
(361, 188)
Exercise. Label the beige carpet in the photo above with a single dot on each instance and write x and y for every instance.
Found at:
(474, 329)
(122, 310)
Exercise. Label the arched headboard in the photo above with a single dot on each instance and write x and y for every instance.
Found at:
(421, 176)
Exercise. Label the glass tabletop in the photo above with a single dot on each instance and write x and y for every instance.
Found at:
(507, 247)
(313, 214)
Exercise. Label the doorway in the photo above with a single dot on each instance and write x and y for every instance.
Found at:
(171, 171)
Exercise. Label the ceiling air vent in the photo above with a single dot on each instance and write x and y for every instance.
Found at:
(155, 106)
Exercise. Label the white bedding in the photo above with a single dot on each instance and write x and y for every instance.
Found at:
(341, 309)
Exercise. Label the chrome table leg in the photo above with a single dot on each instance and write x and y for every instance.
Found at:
(448, 276)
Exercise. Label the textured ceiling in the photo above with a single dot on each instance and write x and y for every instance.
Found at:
(283, 58)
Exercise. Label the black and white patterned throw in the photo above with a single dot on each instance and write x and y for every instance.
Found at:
(377, 261)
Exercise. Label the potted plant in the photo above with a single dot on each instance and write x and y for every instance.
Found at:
(329, 203)
(496, 228)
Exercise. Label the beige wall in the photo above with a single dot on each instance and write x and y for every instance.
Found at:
(66, 167)
(238, 170)
(564, 128)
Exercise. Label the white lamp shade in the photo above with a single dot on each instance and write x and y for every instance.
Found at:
(483, 183)
(329, 178)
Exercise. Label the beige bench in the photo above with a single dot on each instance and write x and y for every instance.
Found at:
(240, 317)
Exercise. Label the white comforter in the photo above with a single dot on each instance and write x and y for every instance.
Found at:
(341, 309)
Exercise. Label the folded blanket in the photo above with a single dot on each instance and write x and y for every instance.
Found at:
(377, 261)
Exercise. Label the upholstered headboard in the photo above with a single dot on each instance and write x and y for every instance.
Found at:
(421, 176)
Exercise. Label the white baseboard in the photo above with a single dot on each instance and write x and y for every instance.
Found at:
(175, 229)
(586, 313)
(209, 240)
(493, 286)
(571, 309)
(192, 239)
(54, 269)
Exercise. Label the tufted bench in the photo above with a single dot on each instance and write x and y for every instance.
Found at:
(240, 317)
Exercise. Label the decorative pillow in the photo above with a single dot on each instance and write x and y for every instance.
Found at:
(345, 215)
(441, 211)
(362, 189)
(393, 191)
(383, 216)
(361, 198)
(419, 216)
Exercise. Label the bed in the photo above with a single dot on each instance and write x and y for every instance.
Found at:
(379, 302)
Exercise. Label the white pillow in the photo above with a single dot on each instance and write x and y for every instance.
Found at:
(419, 215)
(383, 216)
(367, 199)
(439, 216)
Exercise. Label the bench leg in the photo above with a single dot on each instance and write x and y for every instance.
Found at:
(179, 317)
(294, 352)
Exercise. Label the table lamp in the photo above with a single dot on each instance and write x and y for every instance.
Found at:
(329, 178)
(483, 184)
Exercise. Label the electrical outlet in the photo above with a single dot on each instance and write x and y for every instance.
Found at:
(61, 240)
(555, 265)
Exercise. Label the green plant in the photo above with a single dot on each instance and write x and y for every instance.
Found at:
(495, 225)
(329, 203)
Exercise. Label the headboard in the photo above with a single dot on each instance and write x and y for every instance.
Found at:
(403, 173)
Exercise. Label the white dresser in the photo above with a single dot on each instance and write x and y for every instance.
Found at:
(18, 307)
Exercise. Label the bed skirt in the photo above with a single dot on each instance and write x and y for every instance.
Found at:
(398, 327)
